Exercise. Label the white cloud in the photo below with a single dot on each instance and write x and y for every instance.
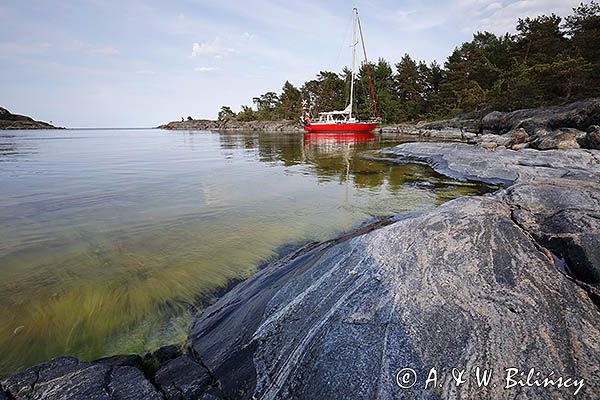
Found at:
(215, 49)
(206, 70)
(145, 72)
(103, 51)
(501, 18)
(248, 36)
(494, 6)
(416, 20)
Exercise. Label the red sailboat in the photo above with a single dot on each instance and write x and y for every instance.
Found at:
(344, 121)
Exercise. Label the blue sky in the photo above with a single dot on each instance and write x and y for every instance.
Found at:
(108, 63)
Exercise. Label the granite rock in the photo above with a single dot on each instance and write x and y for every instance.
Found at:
(233, 125)
(66, 378)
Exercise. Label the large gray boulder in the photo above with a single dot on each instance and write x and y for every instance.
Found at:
(563, 138)
(554, 195)
(508, 140)
(579, 115)
(558, 127)
(591, 140)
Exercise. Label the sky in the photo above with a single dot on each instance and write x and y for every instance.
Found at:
(107, 63)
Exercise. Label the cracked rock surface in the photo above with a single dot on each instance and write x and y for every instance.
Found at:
(507, 280)
(67, 378)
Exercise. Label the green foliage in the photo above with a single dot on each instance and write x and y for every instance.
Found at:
(290, 102)
(539, 39)
(583, 30)
(325, 93)
(225, 114)
(246, 115)
(548, 61)
(410, 83)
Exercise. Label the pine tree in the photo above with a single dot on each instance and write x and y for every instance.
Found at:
(226, 113)
(409, 88)
(290, 102)
(583, 30)
(545, 62)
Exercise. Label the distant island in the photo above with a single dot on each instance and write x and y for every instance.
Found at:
(12, 121)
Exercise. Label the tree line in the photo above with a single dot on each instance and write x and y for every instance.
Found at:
(550, 60)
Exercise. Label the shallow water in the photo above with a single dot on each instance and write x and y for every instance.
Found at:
(108, 236)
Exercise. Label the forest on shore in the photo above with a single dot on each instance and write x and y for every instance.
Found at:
(550, 60)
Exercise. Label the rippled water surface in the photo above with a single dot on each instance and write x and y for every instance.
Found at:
(108, 236)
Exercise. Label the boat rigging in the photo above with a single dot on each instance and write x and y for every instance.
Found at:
(344, 120)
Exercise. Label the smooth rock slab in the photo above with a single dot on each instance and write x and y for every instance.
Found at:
(555, 195)
(461, 286)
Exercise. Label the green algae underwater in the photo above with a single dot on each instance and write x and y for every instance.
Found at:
(109, 237)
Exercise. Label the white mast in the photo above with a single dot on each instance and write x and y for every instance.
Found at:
(354, 42)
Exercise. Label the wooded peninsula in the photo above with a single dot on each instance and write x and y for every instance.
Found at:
(549, 61)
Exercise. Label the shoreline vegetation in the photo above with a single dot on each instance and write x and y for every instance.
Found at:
(570, 126)
(549, 61)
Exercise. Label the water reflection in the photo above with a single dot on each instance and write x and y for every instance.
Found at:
(337, 139)
(107, 235)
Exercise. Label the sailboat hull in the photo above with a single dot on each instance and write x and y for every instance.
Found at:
(343, 127)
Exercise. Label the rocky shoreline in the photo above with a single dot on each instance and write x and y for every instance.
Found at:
(233, 125)
(571, 126)
(11, 121)
(506, 280)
